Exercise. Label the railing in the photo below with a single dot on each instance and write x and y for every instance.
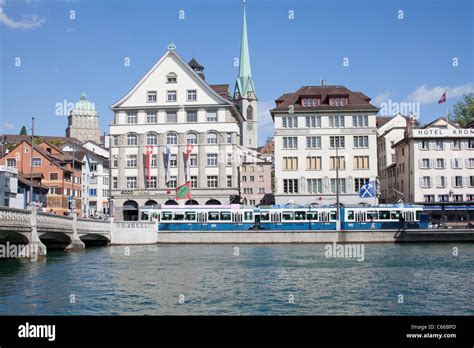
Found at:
(15, 215)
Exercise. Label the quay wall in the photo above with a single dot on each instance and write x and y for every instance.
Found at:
(130, 232)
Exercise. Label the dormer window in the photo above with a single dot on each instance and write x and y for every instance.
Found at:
(310, 102)
(171, 78)
(338, 101)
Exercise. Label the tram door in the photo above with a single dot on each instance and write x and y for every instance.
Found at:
(257, 219)
(359, 216)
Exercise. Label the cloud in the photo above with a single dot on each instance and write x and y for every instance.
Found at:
(265, 122)
(8, 125)
(29, 21)
(381, 98)
(426, 95)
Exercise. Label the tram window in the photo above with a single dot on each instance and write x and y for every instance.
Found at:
(418, 213)
(350, 215)
(166, 216)
(371, 215)
(213, 216)
(178, 217)
(265, 216)
(145, 216)
(300, 215)
(312, 215)
(225, 216)
(333, 215)
(384, 215)
(248, 215)
(189, 216)
(287, 215)
(395, 215)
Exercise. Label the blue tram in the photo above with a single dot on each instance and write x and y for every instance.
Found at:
(287, 218)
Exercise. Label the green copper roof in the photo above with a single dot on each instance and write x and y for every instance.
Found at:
(84, 104)
(244, 83)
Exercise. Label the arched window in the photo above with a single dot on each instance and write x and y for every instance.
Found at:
(212, 138)
(172, 139)
(132, 139)
(249, 113)
(191, 138)
(171, 78)
(151, 139)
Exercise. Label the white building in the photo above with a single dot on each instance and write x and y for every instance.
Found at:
(435, 163)
(9, 196)
(319, 129)
(172, 108)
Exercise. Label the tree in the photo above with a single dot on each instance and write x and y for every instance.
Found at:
(463, 110)
(23, 131)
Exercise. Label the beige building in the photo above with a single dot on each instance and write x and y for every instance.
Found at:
(83, 121)
(255, 177)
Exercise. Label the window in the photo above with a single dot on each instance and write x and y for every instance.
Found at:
(36, 162)
(172, 182)
(470, 180)
(193, 160)
(425, 182)
(290, 186)
(153, 162)
(457, 198)
(470, 163)
(261, 190)
(54, 190)
(424, 163)
(191, 95)
(456, 145)
(252, 178)
(212, 138)
(151, 97)
(336, 121)
(456, 163)
(151, 117)
(458, 182)
(171, 78)
(360, 121)
(212, 181)
(315, 185)
(132, 117)
(171, 117)
(229, 180)
(249, 113)
(171, 139)
(361, 141)
(290, 163)
(244, 178)
(290, 121)
(131, 182)
(229, 159)
(438, 145)
(337, 163)
(424, 145)
(359, 182)
(429, 198)
(229, 138)
(337, 142)
(93, 192)
(211, 116)
(313, 142)
(440, 163)
(115, 140)
(470, 144)
(313, 163)
(132, 139)
(191, 138)
(342, 185)
(442, 181)
(191, 116)
(114, 161)
(151, 139)
(53, 176)
(150, 183)
(173, 160)
(361, 162)
(290, 142)
(194, 181)
(11, 162)
(212, 159)
(171, 96)
(131, 161)
(443, 198)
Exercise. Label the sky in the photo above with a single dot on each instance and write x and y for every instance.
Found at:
(402, 54)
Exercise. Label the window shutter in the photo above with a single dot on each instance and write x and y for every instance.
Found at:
(452, 163)
(432, 163)
(464, 181)
(453, 181)
(431, 181)
(420, 146)
(421, 182)
(445, 163)
(420, 163)
(438, 181)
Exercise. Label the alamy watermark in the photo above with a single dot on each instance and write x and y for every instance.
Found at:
(345, 251)
(13, 251)
(405, 108)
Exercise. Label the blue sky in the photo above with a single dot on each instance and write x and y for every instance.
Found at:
(401, 60)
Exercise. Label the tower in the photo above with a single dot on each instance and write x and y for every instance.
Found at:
(83, 121)
(244, 94)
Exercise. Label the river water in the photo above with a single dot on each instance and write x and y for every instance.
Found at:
(408, 279)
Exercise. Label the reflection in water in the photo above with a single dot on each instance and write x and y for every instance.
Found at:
(260, 280)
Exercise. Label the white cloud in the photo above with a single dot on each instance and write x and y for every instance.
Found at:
(265, 122)
(28, 21)
(381, 98)
(8, 125)
(426, 95)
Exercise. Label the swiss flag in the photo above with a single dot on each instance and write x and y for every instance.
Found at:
(443, 98)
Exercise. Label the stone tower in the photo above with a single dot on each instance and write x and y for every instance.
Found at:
(83, 121)
(244, 94)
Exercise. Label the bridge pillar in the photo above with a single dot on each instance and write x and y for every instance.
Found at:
(36, 249)
(76, 243)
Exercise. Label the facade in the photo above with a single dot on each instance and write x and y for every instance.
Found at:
(57, 170)
(170, 129)
(435, 163)
(322, 131)
(83, 121)
(95, 178)
(9, 188)
(255, 178)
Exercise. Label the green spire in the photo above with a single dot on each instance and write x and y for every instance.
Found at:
(244, 83)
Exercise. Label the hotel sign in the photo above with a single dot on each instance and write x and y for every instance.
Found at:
(442, 133)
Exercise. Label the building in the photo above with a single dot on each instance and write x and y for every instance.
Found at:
(95, 176)
(245, 96)
(83, 121)
(435, 163)
(9, 188)
(52, 168)
(170, 129)
(255, 178)
(322, 132)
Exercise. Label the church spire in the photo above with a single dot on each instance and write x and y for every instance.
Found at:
(244, 83)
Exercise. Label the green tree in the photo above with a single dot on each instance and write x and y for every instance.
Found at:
(23, 131)
(463, 110)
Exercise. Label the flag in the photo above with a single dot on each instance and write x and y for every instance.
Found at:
(184, 191)
(442, 99)
(167, 163)
(149, 151)
(368, 190)
(189, 149)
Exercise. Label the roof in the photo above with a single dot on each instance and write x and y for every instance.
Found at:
(244, 82)
(25, 180)
(15, 138)
(194, 64)
(83, 151)
(357, 101)
(268, 148)
(431, 124)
